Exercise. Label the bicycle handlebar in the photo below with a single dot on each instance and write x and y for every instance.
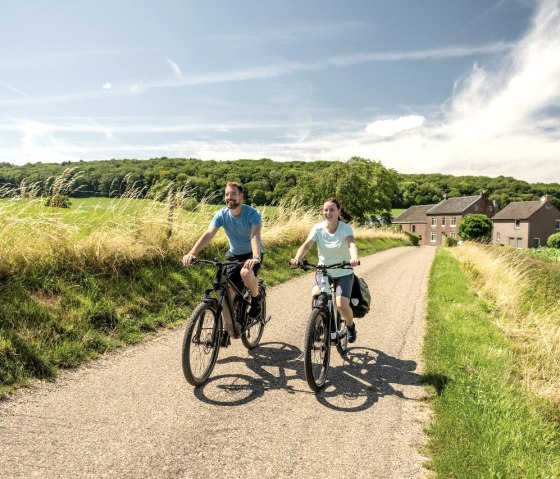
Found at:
(306, 266)
(217, 262)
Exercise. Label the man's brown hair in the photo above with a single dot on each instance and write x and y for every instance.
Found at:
(235, 184)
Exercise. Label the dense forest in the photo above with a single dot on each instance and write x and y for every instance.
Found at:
(266, 181)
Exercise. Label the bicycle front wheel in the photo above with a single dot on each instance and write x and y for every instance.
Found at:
(317, 349)
(201, 344)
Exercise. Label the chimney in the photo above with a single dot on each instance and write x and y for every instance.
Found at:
(445, 196)
(544, 199)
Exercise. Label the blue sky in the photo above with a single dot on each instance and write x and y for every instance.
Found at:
(424, 86)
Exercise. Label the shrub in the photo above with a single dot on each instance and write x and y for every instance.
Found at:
(554, 241)
(58, 201)
(475, 227)
(449, 242)
(414, 240)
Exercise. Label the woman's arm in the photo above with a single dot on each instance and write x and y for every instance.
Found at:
(303, 249)
(354, 255)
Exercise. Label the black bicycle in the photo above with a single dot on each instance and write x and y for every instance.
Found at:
(223, 314)
(325, 327)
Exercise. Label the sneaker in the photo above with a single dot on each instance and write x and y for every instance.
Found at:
(255, 307)
(352, 333)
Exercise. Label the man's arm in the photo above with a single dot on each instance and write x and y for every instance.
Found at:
(200, 245)
(255, 247)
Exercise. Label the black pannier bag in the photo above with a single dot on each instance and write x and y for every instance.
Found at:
(361, 298)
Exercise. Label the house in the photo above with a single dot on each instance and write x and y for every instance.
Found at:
(526, 224)
(443, 219)
(414, 220)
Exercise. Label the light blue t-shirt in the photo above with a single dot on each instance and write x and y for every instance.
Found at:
(238, 228)
(332, 247)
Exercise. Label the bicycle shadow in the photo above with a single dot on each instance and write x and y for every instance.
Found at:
(366, 375)
(238, 389)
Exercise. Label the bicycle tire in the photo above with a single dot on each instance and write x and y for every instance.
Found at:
(317, 349)
(251, 337)
(204, 348)
(342, 343)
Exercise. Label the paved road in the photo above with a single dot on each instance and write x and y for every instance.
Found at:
(132, 414)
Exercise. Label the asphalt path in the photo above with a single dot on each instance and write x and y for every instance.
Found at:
(131, 414)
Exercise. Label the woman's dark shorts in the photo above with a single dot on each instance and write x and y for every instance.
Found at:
(234, 272)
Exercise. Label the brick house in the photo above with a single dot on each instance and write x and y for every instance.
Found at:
(443, 219)
(414, 220)
(526, 224)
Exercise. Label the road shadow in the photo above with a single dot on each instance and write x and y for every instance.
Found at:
(366, 375)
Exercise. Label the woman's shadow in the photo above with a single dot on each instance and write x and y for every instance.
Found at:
(365, 376)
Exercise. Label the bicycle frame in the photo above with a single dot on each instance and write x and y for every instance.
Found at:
(326, 299)
(224, 303)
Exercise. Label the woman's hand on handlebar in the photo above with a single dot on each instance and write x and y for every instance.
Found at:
(294, 262)
(355, 262)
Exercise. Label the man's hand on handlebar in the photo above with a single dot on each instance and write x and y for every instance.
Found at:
(355, 262)
(188, 259)
(250, 263)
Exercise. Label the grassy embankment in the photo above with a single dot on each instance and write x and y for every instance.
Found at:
(492, 354)
(76, 283)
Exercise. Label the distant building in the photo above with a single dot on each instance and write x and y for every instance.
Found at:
(526, 224)
(433, 223)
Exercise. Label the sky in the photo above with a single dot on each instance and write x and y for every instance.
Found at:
(462, 87)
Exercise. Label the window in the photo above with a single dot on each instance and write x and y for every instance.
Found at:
(536, 242)
(476, 207)
(518, 242)
(434, 237)
(490, 208)
(443, 221)
(453, 235)
(511, 241)
(453, 221)
(558, 224)
(498, 236)
(517, 224)
(414, 228)
(434, 220)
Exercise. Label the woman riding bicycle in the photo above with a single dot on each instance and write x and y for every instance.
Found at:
(335, 243)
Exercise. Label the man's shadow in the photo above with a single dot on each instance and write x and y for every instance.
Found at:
(365, 376)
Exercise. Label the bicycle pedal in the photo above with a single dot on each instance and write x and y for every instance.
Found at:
(267, 319)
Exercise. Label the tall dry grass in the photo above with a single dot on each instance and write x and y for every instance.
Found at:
(38, 238)
(527, 309)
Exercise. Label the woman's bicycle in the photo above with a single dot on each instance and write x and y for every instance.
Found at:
(223, 314)
(325, 327)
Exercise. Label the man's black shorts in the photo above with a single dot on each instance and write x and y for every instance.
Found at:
(234, 272)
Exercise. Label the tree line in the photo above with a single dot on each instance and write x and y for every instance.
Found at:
(366, 186)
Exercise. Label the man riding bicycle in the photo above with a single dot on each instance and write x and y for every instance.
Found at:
(242, 224)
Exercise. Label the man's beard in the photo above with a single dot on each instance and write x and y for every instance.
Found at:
(231, 204)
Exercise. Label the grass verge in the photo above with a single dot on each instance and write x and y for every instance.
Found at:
(486, 423)
(63, 318)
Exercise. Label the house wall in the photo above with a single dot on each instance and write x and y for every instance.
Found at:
(441, 230)
(543, 224)
(418, 229)
(509, 235)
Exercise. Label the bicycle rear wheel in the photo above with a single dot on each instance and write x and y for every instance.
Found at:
(252, 335)
(201, 344)
(317, 349)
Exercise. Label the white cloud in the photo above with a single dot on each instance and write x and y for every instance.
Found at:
(107, 86)
(176, 70)
(393, 126)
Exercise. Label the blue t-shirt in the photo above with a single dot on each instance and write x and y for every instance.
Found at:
(238, 228)
(332, 247)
